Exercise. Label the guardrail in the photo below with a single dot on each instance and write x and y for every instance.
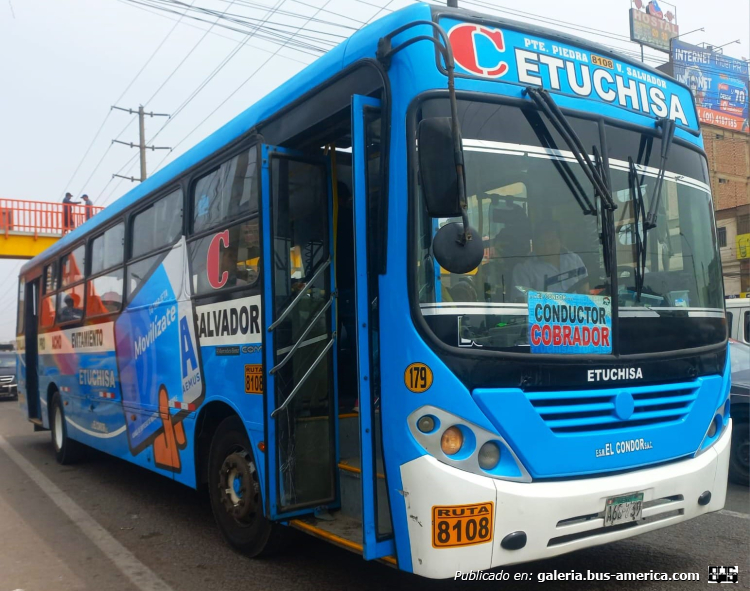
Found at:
(42, 217)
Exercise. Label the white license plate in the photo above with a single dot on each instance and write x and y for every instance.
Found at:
(623, 509)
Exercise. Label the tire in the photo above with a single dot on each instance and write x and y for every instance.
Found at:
(738, 459)
(67, 451)
(239, 513)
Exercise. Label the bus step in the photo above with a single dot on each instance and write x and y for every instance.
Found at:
(342, 531)
(350, 479)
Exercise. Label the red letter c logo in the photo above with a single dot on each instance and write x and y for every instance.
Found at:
(463, 39)
(213, 260)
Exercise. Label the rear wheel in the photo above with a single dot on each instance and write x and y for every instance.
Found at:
(234, 490)
(67, 451)
(739, 457)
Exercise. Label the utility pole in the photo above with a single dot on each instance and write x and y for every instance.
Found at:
(141, 145)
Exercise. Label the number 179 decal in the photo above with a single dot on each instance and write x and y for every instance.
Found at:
(418, 377)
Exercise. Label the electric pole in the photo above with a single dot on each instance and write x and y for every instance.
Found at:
(141, 145)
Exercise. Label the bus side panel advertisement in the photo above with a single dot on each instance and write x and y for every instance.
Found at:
(506, 55)
(157, 354)
(569, 323)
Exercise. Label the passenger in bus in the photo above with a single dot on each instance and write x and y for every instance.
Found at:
(70, 311)
(549, 266)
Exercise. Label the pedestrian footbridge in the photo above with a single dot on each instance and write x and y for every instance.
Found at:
(29, 227)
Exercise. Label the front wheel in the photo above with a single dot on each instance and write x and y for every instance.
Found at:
(234, 490)
(67, 451)
(739, 458)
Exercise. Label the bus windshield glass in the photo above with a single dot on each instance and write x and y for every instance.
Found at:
(544, 230)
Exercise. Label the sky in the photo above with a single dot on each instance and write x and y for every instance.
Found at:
(66, 62)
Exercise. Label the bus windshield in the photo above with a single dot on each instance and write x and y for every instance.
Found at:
(544, 230)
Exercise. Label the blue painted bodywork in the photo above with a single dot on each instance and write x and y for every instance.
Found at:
(508, 412)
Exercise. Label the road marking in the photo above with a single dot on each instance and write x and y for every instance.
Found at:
(138, 573)
(734, 514)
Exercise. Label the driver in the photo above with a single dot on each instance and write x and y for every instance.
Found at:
(550, 266)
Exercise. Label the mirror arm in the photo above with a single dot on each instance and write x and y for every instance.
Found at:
(384, 54)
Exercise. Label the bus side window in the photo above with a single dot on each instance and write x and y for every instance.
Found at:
(50, 277)
(73, 265)
(746, 336)
(229, 192)
(70, 304)
(157, 225)
(730, 327)
(47, 317)
(104, 293)
(228, 258)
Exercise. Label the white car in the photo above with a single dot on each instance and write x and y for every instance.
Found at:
(738, 319)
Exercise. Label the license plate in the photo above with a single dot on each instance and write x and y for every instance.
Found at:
(461, 525)
(623, 509)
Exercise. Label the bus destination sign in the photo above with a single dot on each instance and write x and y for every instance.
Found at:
(507, 55)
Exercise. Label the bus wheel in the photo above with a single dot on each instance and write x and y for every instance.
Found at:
(739, 459)
(234, 490)
(67, 451)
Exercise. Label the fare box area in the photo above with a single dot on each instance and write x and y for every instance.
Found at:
(566, 323)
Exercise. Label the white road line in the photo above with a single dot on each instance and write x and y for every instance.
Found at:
(138, 573)
(734, 514)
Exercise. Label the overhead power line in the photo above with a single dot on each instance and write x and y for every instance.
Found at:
(203, 84)
(109, 112)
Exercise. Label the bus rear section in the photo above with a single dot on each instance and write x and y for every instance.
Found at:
(282, 319)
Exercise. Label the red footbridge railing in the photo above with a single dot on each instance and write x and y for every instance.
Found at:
(39, 218)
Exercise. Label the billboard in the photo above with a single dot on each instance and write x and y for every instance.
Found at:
(719, 83)
(651, 26)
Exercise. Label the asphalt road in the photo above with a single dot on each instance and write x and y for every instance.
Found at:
(163, 535)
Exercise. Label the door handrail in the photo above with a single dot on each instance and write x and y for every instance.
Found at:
(304, 379)
(296, 300)
(304, 334)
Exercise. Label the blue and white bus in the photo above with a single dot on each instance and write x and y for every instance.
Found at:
(450, 298)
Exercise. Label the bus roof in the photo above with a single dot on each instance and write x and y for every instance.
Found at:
(362, 44)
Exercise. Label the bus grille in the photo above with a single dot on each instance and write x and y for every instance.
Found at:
(595, 410)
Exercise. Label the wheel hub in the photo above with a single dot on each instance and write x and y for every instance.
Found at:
(238, 486)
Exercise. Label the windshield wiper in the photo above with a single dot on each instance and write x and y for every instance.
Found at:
(544, 102)
(639, 214)
(563, 168)
(667, 135)
(606, 234)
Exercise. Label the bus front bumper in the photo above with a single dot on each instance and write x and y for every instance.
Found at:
(557, 517)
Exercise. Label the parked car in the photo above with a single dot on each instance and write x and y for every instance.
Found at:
(738, 319)
(740, 407)
(8, 381)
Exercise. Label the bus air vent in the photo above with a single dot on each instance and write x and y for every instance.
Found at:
(614, 409)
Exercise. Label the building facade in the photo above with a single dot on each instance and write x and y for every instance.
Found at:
(728, 155)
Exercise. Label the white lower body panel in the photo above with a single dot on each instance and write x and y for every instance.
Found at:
(557, 517)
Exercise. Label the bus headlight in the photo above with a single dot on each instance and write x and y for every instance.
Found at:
(489, 456)
(454, 441)
(451, 441)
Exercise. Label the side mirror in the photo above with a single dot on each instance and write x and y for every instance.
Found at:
(456, 250)
(457, 247)
(437, 167)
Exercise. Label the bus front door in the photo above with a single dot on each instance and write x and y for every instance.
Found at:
(299, 347)
(31, 351)
(369, 240)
